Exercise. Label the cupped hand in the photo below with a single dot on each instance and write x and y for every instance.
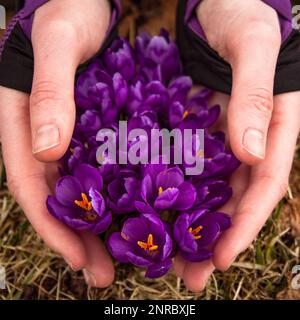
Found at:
(38, 129)
(262, 129)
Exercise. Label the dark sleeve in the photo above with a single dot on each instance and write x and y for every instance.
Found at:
(16, 52)
(207, 68)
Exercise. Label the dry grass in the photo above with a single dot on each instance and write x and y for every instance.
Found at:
(262, 272)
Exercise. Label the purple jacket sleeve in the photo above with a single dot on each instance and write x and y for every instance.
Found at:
(283, 8)
(27, 13)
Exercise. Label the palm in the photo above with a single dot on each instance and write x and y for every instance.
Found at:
(257, 190)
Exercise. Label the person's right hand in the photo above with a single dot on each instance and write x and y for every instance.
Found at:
(39, 128)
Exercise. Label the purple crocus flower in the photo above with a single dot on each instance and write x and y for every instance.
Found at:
(144, 242)
(120, 58)
(123, 192)
(158, 57)
(196, 114)
(109, 97)
(153, 96)
(164, 188)
(195, 233)
(96, 89)
(145, 120)
(211, 194)
(218, 162)
(78, 201)
(92, 75)
(179, 89)
(74, 156)
(146, 87)
(89, 123)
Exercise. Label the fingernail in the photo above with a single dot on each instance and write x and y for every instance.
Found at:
(253, 142)
(46, 138)
(70, 264)
(89, 278)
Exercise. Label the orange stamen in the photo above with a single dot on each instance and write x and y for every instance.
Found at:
(195, 232)
(149, 244)
(185, 114)
(84, 203)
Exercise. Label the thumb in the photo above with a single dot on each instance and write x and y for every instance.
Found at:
(251, 105)
(52, 108)
(62, 38)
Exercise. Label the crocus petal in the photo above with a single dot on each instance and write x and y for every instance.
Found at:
(168, 246)
(222, 219)
(186, 197)
(98, 202)
(147, 189)
(184, 239)
(58, 210)
(138, 260)
(119, 247)
(89, 177)
(170, 178)
(166, 199)
(209, 233)
(103, 224)
(68, 189)
(144, 208)
(121, 90)
(77, 224)
(135, 229)
(158, 270)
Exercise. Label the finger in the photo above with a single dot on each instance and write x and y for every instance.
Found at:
(268, 182)
(26, 179)
(99, 270)
(59, 46)
(196, 274)
(179, 265)
(253, 62)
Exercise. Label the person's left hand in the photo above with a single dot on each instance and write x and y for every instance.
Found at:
(262, 131)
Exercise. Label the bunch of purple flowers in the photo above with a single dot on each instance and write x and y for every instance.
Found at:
(165, 211)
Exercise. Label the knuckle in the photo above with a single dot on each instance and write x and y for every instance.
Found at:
(260, 31)
(262, 100)
(43, 92)
(16, 183)
(59, 27)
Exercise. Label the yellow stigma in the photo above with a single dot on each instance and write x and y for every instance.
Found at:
(195, 232)
(84, 203)
(148, 245)
(185, 114)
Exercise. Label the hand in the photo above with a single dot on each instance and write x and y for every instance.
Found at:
(262, 131)
(39, 128)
